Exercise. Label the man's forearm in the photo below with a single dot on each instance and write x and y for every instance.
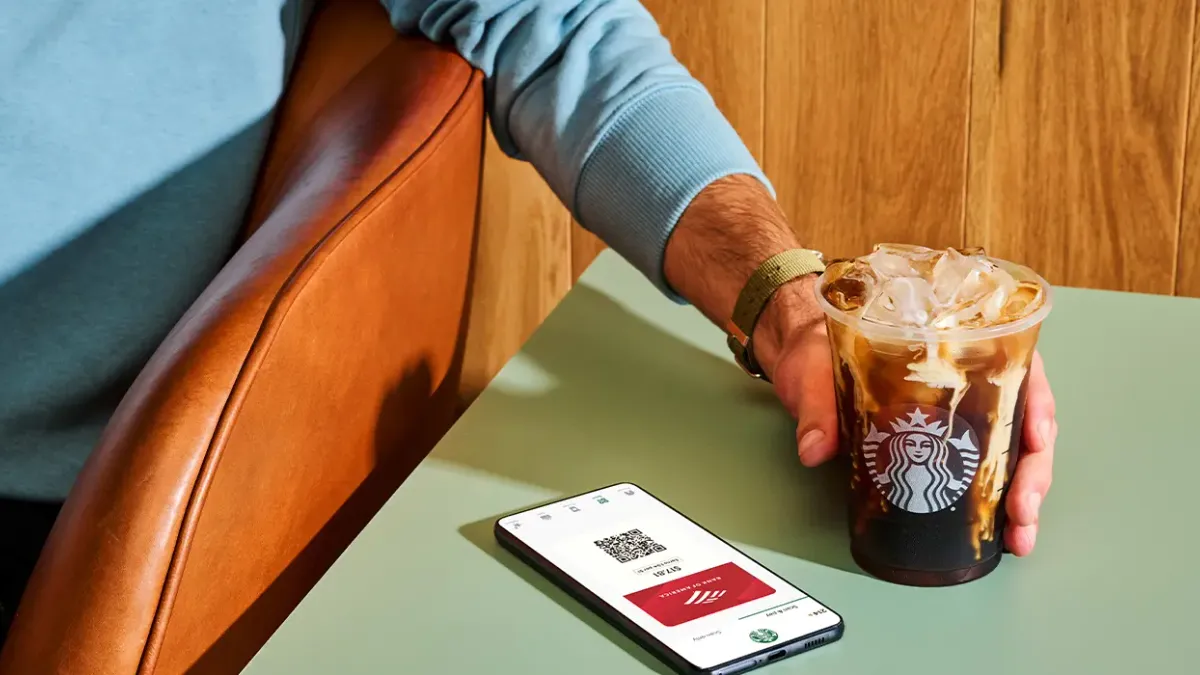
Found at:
(727, 231)
(589, 92)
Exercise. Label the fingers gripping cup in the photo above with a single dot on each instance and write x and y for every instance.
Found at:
(931, 354)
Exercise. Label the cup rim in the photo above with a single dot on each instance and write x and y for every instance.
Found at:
(911, 334)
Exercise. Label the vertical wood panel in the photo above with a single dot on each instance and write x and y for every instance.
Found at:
(522, 264)
(1189, 240)
(866, 113)
(721, 44)
(1077, 136)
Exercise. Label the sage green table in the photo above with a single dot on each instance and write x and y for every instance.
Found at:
(620, 384)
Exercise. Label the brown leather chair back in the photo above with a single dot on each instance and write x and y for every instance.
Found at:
(293, 397)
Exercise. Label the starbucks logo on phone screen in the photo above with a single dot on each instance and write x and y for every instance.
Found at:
(921, 458)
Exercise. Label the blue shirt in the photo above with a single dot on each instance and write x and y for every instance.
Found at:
(131, 133)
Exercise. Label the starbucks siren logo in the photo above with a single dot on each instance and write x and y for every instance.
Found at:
(919, 466)
(764, 635)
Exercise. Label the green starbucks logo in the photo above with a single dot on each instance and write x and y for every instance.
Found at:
(764, 635)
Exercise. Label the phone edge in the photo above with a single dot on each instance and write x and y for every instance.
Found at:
(641, 637)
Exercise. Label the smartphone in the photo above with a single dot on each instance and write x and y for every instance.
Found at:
(683, 593)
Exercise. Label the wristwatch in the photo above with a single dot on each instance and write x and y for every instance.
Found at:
(776, 271)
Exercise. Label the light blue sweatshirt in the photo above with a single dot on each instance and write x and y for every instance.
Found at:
(131, 132)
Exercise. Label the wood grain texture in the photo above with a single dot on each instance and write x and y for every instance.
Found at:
(522, 264)
(1188, 278)
(1077, 134)
(721, 43)
(866, 114)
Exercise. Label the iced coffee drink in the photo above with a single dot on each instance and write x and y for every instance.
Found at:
(931, 352)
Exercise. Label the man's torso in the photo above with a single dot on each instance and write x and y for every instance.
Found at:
(130, 135)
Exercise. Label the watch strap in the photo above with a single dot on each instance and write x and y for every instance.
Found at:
(776, 271)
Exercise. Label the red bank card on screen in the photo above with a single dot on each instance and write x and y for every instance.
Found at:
(699, 594)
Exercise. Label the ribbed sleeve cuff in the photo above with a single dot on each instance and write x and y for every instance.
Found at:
(648, 164)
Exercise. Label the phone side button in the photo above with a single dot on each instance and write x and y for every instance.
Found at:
(739, 667)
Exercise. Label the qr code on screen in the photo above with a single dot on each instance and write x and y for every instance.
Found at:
(629, 545)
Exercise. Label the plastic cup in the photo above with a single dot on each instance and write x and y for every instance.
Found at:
(932, 423)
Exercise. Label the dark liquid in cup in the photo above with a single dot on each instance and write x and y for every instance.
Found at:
(931, 417)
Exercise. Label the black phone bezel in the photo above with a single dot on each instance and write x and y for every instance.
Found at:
(643, 638)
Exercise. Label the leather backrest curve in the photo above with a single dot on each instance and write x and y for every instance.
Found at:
(118, 588)
(344, 393)
(343, 37)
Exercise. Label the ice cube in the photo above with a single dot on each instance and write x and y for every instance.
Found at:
(979, 302)
(903, 301)
(902, 260)
(1025, 298)
(915, 286)
(959, 278)
(950, 274)
(849, 285)
(890, 265)
(909, 251)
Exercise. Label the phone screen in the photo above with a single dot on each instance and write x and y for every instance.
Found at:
(703, 599)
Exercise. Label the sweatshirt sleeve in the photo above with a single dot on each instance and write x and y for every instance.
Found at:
(590, 94)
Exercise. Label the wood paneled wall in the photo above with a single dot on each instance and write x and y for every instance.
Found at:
(1061, 133)
(865, 123)
(1077, 138)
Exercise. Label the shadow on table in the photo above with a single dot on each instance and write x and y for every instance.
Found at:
(480, 534)
(614, 398)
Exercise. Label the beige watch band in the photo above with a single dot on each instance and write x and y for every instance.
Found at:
(776, 271)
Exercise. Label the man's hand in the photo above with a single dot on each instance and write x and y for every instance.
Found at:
(1035, 468)
(732, 227)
